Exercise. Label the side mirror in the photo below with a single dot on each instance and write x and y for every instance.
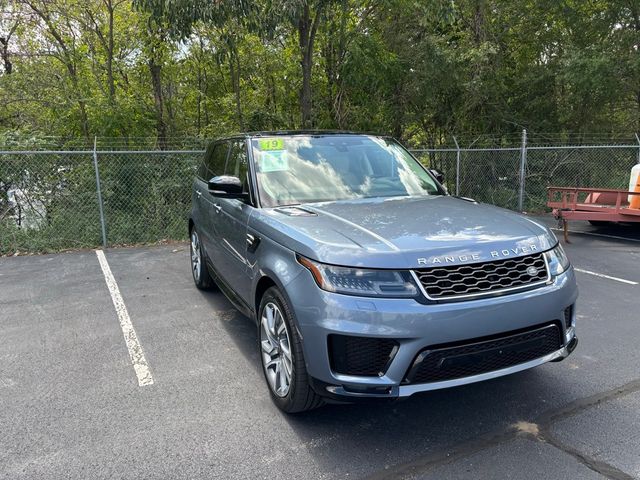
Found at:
(438, 174)
(226, 186)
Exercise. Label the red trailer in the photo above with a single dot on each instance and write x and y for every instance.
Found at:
(591, 204)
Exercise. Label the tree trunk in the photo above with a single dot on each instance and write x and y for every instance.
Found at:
(334, 56)
(4, 52)
(478, 22)
(638, 112)
(234, 73)
(307, 29)
(82, 106)
(199, 100)
(4, 49)
(304, 27)
(110, 50)
(156, 80)
(205, 82)
(106, 42)
(84, 119)
(199, 59)
(397, 119)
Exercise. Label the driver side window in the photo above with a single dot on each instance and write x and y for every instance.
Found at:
(216, 160)
(237, 166)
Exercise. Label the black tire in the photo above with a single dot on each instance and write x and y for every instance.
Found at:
(200, 272)
(300, 396)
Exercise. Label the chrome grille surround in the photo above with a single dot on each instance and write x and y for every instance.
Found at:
(486, 279)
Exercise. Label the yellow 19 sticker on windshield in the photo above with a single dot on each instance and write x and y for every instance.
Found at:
(271, 143)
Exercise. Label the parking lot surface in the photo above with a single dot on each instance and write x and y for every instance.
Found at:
(72, 405)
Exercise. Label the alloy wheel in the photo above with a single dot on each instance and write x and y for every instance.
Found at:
(276, 349)
(195, 255)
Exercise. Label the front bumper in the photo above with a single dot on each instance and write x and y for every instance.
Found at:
(416, 326)
(407, 390)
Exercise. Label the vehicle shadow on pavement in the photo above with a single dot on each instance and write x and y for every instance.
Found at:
(242, 330)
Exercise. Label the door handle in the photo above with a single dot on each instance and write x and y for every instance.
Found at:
(217, 207)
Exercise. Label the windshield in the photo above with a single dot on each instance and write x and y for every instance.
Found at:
(301, 169)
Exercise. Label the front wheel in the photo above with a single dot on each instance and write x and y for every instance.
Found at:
(282, 357)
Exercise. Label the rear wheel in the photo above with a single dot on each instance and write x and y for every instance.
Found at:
(199, 269)
(282, 358)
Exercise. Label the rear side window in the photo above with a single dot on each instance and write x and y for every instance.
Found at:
(215, 160)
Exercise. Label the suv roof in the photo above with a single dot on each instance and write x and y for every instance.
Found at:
(275, 133)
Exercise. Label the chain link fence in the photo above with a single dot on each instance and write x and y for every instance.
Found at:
(47, 202)
(517, 178)
(146, 195)
(50, 201)
(58, 200)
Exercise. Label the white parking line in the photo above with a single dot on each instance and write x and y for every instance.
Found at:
(602, 275)
(136, 354)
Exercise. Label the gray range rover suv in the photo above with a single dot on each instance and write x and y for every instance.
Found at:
(365, 278)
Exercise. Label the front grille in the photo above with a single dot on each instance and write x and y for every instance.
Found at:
(480, 279)
(437, 364)
(360, 355)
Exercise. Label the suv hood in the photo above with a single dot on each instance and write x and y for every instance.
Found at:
(405, 232)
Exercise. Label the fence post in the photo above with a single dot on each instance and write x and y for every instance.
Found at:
(457, 166)
(638, 140)
(99, 190)
(523, 162)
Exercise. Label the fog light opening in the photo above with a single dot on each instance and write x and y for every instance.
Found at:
(568, 317)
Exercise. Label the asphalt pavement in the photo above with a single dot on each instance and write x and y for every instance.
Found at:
(72, 407)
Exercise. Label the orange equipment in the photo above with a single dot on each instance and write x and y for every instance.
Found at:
(593, 204)
(634, 201)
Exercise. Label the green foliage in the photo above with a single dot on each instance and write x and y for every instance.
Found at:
(418, 70)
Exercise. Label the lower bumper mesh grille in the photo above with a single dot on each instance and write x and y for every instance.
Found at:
(448, 363)
(362, 356)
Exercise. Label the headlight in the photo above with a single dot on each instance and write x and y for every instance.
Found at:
(557, 260)
(361, 281)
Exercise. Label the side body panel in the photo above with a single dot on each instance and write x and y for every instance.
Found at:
(232, 263)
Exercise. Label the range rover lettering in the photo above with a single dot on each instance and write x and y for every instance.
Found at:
(365, 278)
